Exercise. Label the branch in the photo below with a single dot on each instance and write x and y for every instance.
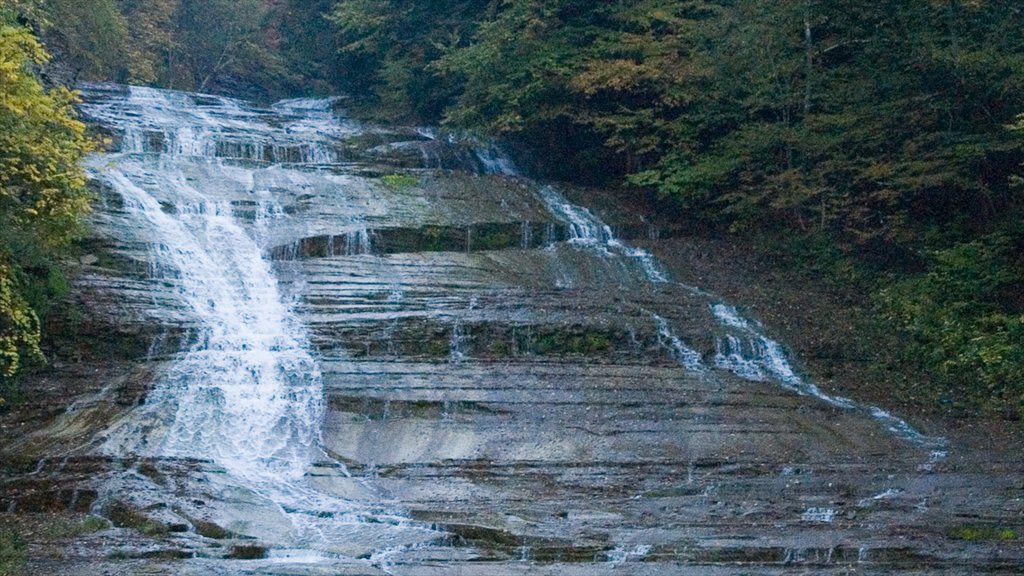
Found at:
(842, 44)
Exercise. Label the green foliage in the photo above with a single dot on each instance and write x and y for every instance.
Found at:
(964, 320)
(983, 533)
(27, 10)
(571, 341)
(125, 515)
(42, 193)
(152, 41)
(226, 44)
(90, 35)
(253, 48)
(59, 527)
(306, 42)
(12, 552)
(387, 46)
(868, 121)
(399, 181)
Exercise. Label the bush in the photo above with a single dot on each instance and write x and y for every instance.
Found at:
(963, 323)
(12, 552)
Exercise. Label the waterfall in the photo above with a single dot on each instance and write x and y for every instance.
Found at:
(246, 393)
(586, 229)
(682, 353)
(745, 351)
(356, 242)
(336, 379)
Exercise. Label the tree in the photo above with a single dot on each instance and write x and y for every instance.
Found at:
(91, 36)
(153, 39)
(388, 47)
(42, 191)
(228, 46)
(308, 42)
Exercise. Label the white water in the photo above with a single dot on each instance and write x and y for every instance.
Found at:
(757, 357)
(191, 125)
(587, 230)
(356, 242)
(744, 351)
(683, 354)
(496, 163)
(246, 394)
(754, 356)
(620, 554)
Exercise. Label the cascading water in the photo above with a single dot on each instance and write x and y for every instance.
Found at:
(746, 351)
(246, 393)
(587, 230)
(324, 325)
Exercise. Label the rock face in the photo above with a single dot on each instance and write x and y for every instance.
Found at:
(379, 350)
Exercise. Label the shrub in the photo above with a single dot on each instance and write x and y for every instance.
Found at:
(963, 323)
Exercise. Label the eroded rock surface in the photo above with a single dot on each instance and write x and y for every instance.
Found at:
(470, 374)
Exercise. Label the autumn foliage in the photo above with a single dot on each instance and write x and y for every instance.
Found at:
(42, 191)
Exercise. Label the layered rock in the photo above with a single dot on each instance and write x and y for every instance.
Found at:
(507, 387)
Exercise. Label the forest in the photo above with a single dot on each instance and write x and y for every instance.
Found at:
(877, 144)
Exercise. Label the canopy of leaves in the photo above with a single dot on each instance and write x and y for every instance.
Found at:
(229, 46)
(859, 119)
(386, 47)
(89, 35)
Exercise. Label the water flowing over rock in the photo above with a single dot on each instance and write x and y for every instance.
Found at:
(380, 350)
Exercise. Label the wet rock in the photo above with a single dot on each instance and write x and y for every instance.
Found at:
(125, 515)
(247, 553)
(540, 397)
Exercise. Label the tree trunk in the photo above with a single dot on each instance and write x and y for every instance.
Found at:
(809, 74)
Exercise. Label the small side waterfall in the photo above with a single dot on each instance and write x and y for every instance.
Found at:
(586, 229)
(744, 351)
